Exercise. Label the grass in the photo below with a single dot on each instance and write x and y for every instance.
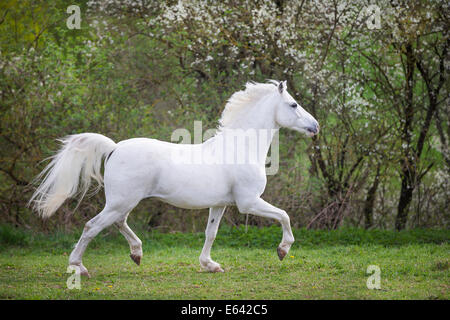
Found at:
(321, 265)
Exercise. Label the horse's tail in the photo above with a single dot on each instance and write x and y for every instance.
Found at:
(70, 171)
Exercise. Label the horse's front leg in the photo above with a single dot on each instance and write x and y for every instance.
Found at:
(261, 208)
(215, 215)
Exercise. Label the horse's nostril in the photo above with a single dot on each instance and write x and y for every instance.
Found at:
(314, 129)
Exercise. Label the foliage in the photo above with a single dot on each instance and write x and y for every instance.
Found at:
(145, 68)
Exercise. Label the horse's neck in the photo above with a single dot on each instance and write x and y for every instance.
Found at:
(257, 121)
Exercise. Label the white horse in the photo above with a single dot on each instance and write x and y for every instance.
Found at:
(142, 168)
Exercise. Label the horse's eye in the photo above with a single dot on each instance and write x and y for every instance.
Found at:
(293, 105)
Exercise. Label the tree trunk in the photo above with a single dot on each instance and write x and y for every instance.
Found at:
(406, 193)
(408, 163)
(409, 175)
(370, 200)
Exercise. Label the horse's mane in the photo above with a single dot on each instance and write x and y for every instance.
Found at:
(244, 98)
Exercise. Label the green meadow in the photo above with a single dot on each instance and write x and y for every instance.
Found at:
(413, 264)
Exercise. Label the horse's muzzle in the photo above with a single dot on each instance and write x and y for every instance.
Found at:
(314, 129)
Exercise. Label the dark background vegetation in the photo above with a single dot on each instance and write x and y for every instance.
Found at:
(145, 68)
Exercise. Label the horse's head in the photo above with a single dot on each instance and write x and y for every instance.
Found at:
(289, 114)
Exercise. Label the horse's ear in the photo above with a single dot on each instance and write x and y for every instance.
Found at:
(282, 86)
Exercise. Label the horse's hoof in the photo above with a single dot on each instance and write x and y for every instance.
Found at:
(81, 270)
(85, 273)
(218, 269)
(136, 258)
(281, 253)
(211, 267)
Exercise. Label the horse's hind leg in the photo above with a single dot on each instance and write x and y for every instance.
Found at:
(104, 219)
(134, 242)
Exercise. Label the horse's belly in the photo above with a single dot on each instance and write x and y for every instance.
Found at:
(188, 203)
(193, 187)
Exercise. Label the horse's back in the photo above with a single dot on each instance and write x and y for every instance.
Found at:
(154, 168)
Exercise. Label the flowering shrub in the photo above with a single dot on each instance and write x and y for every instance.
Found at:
(145, 68)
